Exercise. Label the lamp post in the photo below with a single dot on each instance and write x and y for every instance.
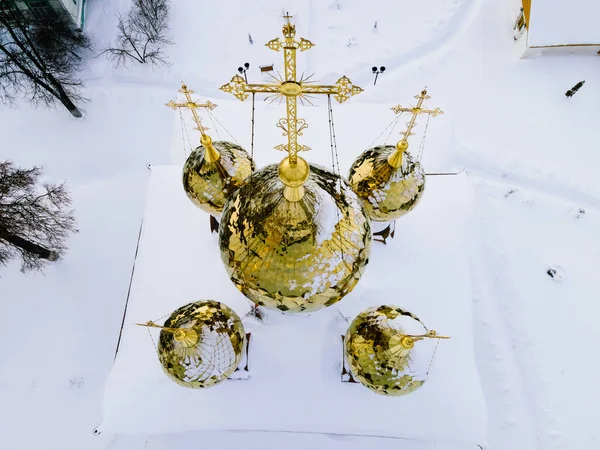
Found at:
(377, 71)
(242, 70)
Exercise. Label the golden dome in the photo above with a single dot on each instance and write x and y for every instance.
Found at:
(380, 353)
(209, 181)
(295, 255)
(386, 191)
(203, 345)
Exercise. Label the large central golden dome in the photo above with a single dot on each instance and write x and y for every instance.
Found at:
(295, 255)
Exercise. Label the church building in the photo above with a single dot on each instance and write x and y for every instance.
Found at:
(74, 9)
(546, 26)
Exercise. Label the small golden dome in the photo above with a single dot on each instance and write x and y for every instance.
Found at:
(206, 347)
(386, 191)
(209, 181)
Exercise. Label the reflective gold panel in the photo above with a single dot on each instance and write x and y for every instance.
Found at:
(210, 184)
(387, 192)
(379, 352)
(295, 255)
(202, 345)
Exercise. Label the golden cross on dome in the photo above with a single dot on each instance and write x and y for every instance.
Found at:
(294, 171)
(186, 336)
(211, 153)
(395, 159)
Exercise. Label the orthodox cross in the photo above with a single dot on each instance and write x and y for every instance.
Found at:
(211, 153)
(395, 159)
(292, 89)
(187, 336)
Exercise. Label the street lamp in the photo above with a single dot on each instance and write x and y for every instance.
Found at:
(242, 70)
(377, 71)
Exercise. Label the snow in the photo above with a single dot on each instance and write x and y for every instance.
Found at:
(506, 121)
(295, 361)
(548, 317)
(555, 22)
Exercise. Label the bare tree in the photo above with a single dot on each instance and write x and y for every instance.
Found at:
(40, 57)
(35, 220)
(142, 34)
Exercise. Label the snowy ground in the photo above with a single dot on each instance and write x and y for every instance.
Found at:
(529, 151)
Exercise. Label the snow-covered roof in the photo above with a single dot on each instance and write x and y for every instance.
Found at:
(294, 382)
(560, 22)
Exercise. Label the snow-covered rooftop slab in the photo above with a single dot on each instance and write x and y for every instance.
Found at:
(295, 383)
(559, 22)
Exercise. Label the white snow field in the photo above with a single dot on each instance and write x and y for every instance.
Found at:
(531, 159)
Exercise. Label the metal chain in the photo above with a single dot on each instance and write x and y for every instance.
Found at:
(252, 144)
(214, 125)
(420, 155)
(392, 130)
(335, 159)
(222, 126)
(385, 129)
(184, 128)
(433, 356)
(152, 339)
(409, 314)
(150, 334)
(334, 140)
(337, 156)
(330, 133)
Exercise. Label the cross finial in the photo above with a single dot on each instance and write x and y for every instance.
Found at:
(292, 89)
(186, 336)
(211, 153)
(407, 341)
(289, 29)
(395, 159)
(193, 106)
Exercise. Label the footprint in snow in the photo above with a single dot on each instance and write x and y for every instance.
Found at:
(76, 382)
(556, 273)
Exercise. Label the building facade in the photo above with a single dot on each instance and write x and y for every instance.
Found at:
(75, 9)
(551, 26)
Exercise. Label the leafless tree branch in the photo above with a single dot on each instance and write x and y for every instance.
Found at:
(39, 58)
(142, 34)
(35, 220)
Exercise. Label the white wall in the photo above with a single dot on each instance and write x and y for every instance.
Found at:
(72, 7)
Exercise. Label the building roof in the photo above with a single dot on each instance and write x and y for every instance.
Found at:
(560, 22)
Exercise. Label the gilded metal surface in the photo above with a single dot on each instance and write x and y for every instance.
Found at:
(293, 176)
(290, 88)
(187, 336)
(210, 184)
(193, 106)
(378, 352)
(387, 192)
(415, 111)
(295, 256)
(216, 353)
(395, 159)
(215, 169)
(386, 178)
